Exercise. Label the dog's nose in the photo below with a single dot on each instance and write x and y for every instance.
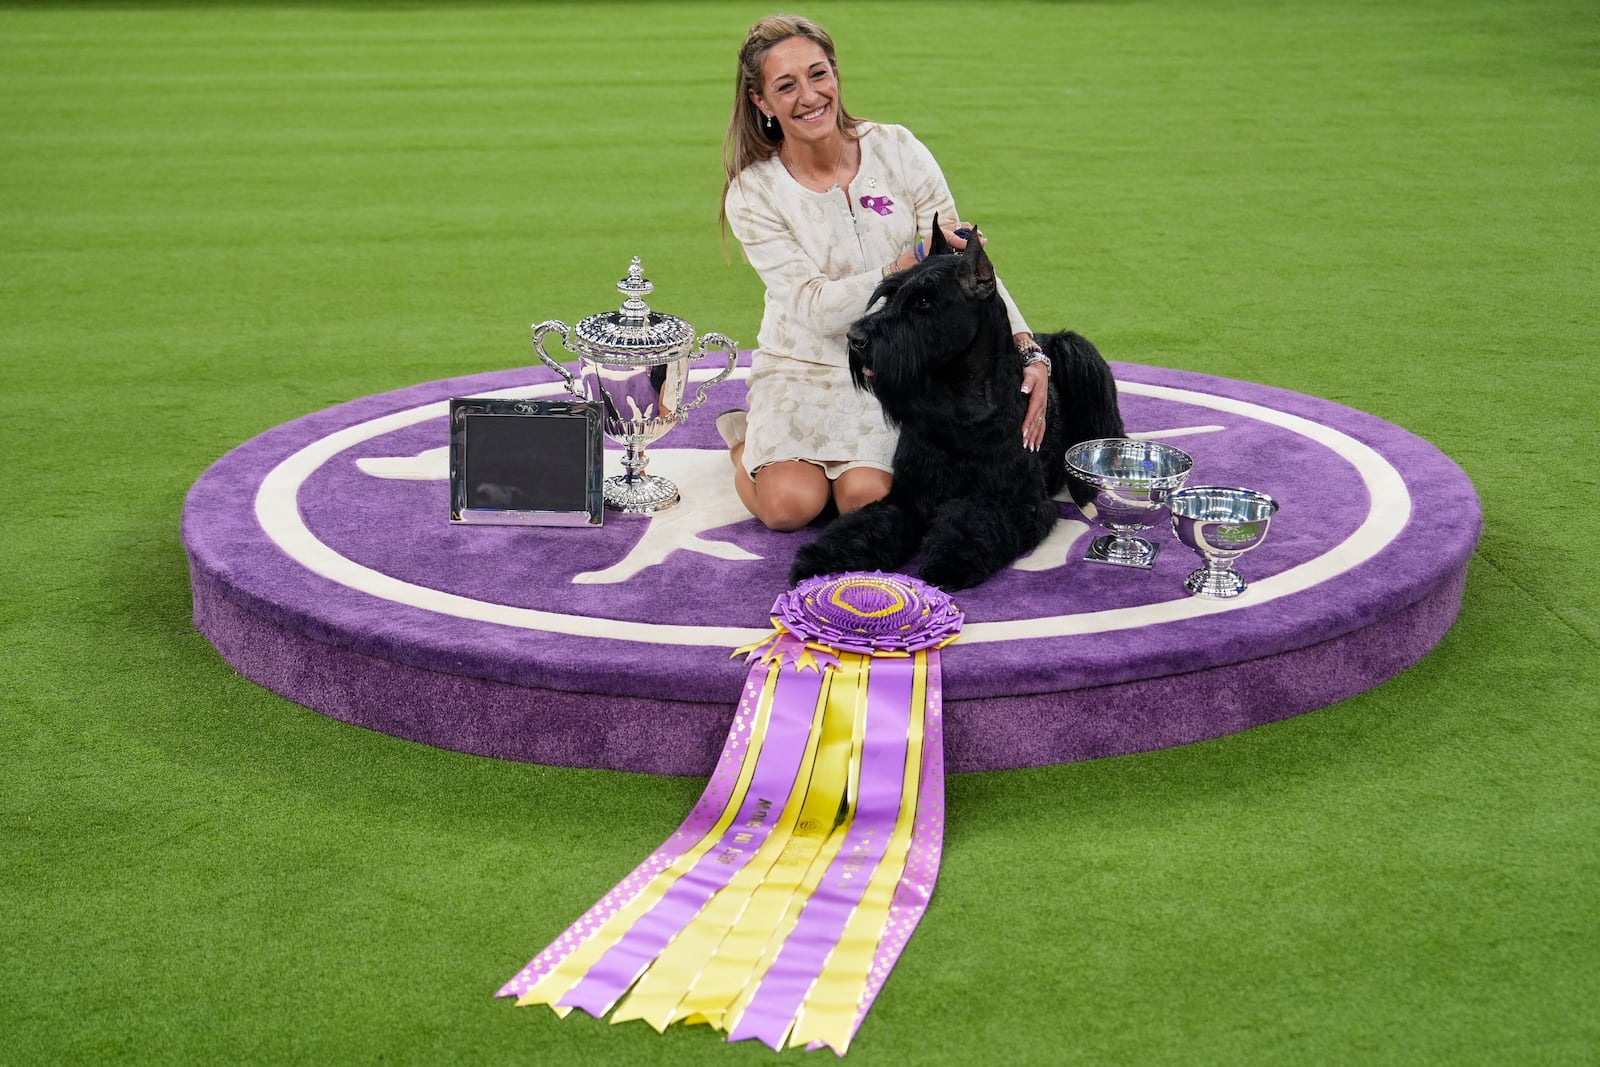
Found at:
(857, 337)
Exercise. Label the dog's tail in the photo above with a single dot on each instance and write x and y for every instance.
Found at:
(1088, 396)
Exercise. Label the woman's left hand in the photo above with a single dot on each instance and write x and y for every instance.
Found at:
(1036, 383)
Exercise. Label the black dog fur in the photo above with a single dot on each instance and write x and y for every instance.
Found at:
(937, 352)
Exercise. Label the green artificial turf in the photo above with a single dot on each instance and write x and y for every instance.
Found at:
(216, 218)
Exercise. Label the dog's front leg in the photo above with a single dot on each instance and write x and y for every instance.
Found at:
(973, 537)
(878, 537)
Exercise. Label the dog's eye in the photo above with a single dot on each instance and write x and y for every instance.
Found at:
(921, 303)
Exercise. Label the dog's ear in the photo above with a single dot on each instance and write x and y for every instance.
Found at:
(938, 246)
(977, 271)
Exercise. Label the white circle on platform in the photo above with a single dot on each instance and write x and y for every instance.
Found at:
(278, 511)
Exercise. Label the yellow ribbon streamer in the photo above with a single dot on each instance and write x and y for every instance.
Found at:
(829, 1011)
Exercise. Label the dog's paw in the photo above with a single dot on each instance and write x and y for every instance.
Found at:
(953, 574)
(809, 562)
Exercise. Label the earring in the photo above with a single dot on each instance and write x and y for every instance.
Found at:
(770, 129)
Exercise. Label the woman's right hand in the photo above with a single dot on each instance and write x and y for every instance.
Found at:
(956, 241)
(908, 259)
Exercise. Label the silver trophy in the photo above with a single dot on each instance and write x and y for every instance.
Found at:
(1131, 480)
(636, 363)
(1221, 524)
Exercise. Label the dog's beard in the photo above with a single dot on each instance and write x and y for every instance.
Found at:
(902, 369)
(914, 335)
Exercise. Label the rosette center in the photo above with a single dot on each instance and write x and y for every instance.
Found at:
(867, 599)
(876, 612)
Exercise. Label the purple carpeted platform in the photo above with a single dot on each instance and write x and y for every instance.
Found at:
(324, 567)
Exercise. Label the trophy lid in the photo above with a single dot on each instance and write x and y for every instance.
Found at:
(634, 333)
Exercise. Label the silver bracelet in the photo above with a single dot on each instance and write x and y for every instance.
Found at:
(1033, 355)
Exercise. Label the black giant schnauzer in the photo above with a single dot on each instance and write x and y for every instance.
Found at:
(937, 352)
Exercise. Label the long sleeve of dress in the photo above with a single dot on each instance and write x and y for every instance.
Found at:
(799, 288)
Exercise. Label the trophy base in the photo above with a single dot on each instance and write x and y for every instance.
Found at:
(641, 495)
(1123, 552)
(1223, 585)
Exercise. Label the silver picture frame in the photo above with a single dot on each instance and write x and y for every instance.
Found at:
(526, 462)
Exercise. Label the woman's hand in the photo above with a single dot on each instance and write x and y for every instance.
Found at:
(1036, 384)
(958, 242)
(912, 256)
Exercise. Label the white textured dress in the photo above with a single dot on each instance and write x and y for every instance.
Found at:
(820, 256)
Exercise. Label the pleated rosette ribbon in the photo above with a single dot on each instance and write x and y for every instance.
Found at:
(778, 907)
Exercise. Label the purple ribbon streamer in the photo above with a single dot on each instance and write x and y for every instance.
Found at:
(699, 822)
(777, 768)
(771, 1012)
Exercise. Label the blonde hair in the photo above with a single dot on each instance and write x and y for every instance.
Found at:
(745, 143)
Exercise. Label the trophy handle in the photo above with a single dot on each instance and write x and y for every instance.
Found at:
(720, 343)
(540, 331)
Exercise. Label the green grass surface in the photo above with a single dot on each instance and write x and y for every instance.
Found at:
(216, 218)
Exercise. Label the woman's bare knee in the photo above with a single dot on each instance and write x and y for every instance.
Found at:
(786, 509)
(789, 495)
(860, 486)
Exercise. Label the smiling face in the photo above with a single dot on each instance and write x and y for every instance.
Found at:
(801, 90)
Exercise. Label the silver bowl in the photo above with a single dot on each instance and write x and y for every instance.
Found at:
(1132, 480)
(1221, 523)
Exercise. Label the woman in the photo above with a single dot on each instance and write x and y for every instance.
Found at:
(826, 206)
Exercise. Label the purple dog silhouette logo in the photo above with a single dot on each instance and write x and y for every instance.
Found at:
(881, 204)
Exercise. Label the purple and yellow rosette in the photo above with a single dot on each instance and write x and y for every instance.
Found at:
(867, 613)
(778, 908)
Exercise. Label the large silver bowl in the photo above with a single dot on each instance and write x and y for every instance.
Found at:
(1221, 523)
(1132, 480)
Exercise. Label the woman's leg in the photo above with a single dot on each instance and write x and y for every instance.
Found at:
(860, 486)
(784, 496)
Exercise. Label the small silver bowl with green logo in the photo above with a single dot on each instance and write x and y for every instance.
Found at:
(1221, 524)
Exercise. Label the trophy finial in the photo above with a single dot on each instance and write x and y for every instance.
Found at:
(635, 287)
